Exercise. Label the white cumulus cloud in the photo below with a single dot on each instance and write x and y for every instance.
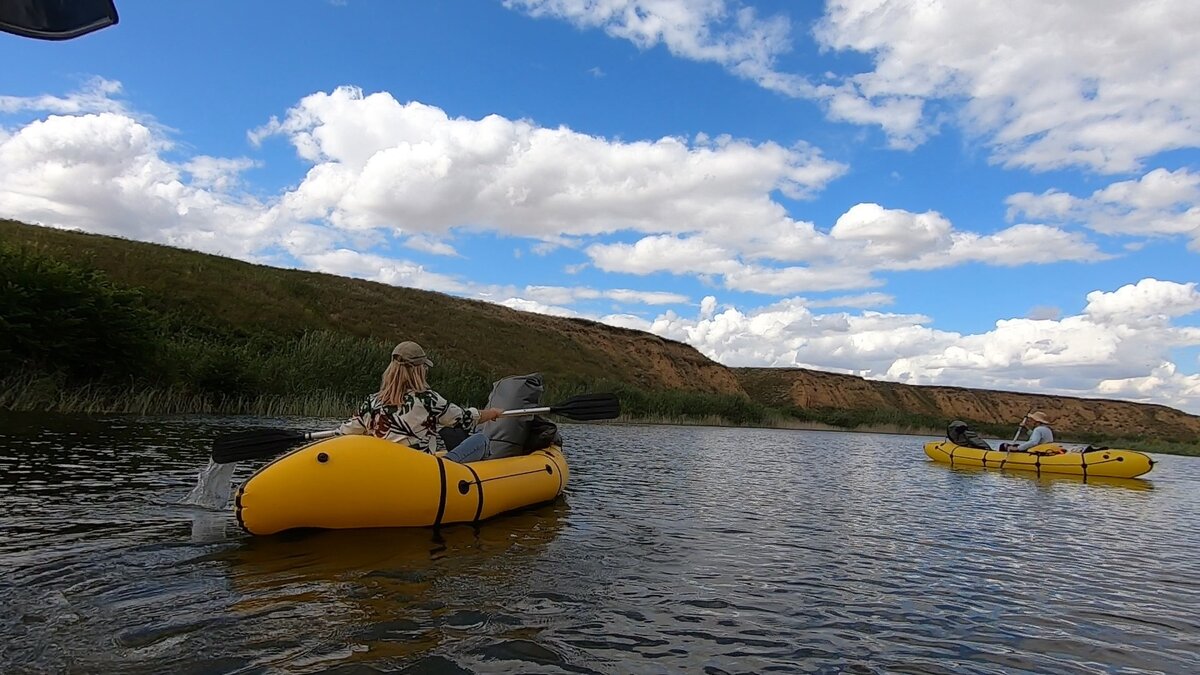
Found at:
(104, 172)
(1098, 84)
(380, 163)
(1049, 84)
(97, 95)
(702, 30)
(865, 239)
(1161, 203)
(1147, 301)
(1118, 346)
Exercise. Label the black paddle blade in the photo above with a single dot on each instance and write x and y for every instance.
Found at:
(254, 444)
(589, 407)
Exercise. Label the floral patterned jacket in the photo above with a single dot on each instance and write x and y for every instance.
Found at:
(414, 422)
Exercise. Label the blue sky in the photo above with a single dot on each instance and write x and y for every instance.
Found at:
(1002, 198)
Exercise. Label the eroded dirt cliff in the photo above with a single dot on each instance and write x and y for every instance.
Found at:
(803, 388)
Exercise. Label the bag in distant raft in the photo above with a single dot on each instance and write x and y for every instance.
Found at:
(960, 434)
(512, 436)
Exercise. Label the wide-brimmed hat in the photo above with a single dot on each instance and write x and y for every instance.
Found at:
(1039, 417)
(410, 353)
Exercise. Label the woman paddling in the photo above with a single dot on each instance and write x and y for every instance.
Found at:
(406, 410)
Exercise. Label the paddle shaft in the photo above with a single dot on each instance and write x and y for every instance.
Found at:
(315, 435)
(519, 412)
(525, 411)
(583, 408)
(259, 443)
(1008, 448)
(1021, 425)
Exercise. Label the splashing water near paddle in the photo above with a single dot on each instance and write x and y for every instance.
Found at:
(213, 486)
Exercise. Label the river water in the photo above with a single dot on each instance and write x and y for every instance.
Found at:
(675, 549)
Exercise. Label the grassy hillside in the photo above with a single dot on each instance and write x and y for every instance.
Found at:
(205, 333)
(211, 293)
(96, 323)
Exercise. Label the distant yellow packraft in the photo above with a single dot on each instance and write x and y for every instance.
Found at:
(1048, 458)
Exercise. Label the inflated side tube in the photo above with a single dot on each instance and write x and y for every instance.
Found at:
(1105, 462)
(362, 481)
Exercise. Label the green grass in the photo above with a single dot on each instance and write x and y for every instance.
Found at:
(76, 341)
(208, 334)
(210, 296)
(859, 418)
(98, 324)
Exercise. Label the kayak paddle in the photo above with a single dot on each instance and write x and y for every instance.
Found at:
(258, 443)
(1009, 446)
(240, 446)
(585, 408)
(1022, 424)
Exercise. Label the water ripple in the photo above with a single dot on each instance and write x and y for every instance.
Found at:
(675, 550)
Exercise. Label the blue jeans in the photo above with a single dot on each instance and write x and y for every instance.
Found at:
(472, 449)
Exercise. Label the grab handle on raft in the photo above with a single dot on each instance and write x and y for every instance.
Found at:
(240, 446)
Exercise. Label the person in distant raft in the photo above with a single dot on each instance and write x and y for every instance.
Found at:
(1038, 435)
(406, 410)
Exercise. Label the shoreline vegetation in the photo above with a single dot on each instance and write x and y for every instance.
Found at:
(74, 341)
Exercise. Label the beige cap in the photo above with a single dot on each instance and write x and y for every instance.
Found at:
(410, 353)
(1039, 417)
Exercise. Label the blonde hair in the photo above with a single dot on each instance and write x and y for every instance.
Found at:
(401, 378)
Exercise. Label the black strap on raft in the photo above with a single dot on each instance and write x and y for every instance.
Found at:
(478, 490)
(441, 512)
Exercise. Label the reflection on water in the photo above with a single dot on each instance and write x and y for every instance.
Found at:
(386, 585)
(1049, 479)
(675, 550)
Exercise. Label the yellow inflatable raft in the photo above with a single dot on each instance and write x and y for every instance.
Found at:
(1105, 462)
(362, 481)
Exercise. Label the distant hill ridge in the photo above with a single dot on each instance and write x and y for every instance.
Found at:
(808, 389)
(231, 294)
